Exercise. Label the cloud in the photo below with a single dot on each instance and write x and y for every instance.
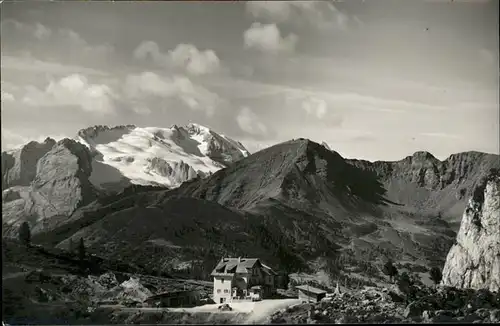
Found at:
(41, 32)
(28, 63)
(319, 14)
(184, 56)
(315, 106)
(7, 97)
(73, 90)
(267, 38)
(79, 46)
(439, 135)
(182, 88)
(150, 50)
(249, 122)
(194, 61)
(69, 43)
(141, 109)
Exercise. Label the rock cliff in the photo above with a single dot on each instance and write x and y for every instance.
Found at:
(60, 186)
(19, 166)
(425, 185)
(474, 260)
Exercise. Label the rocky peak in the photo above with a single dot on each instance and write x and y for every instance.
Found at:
(93, 131)
(194, 128)
(62, 177)
(19, 167)
(474, 260)
(423, 156)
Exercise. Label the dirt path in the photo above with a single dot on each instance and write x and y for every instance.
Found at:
(243, 312)
(264, 309)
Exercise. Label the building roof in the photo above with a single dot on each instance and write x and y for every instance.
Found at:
(310, 289)
(268, 270)
(234, 265)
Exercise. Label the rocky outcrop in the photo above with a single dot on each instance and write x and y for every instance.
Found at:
(176, 171)
(474, 261)
(62, 177)
(19, 167)
(60, 186)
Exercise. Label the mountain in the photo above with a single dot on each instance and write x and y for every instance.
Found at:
(474, 260)
(19, 166)
(426, 185)
(46, 182)
(58, 187)
(292, 204)
(157, 156)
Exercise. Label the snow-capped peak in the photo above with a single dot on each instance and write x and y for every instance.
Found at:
(152, 155)
(196, 128)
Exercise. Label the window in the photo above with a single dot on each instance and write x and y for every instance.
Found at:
(226, 291)
(218, 290)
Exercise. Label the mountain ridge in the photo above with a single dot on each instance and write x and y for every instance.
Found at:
(299, 193)
(297, 196)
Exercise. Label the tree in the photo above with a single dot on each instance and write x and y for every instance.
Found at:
(407, 286)
(436, 275)
(81, 250)
(390, 270)
(25, 234)
(71, 246)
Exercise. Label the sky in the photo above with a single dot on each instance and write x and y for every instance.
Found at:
(375, 80)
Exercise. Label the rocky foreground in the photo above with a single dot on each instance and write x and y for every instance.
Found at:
(383, 305)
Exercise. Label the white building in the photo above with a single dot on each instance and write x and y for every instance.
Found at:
(242, 279)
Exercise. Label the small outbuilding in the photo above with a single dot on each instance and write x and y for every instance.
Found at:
(310, 294)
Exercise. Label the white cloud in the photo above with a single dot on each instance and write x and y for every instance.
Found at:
(267, 38)
(440, 135)
(7, 97)
(319, 14)
(249, 122)
(41, 32)
(193, 60)
(79, 46)
(68, 38)
(73, 90)
(315, 106)
(28, 63)
(141, 109)
(182, 88)
(184, 56)
(278, 11)
(149, 49)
